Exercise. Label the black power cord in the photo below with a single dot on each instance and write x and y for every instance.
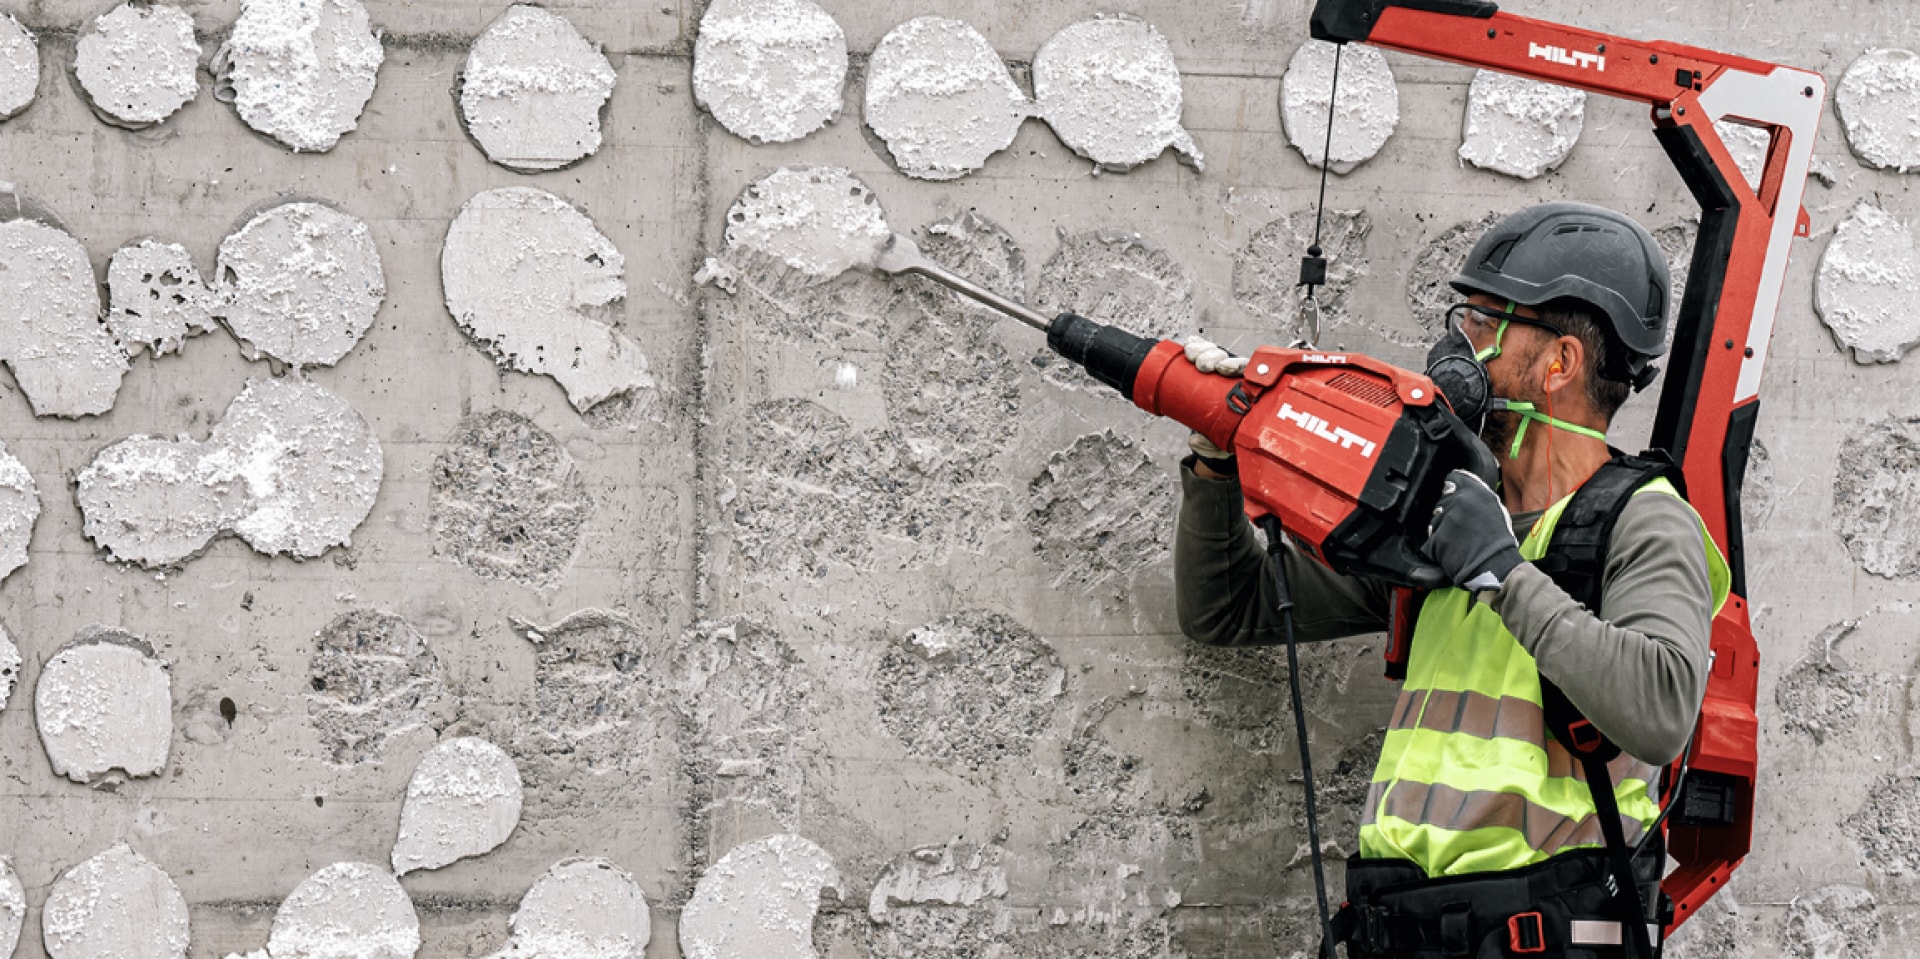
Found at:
(1277, 552)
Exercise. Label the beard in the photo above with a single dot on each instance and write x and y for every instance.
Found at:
(1499, 426)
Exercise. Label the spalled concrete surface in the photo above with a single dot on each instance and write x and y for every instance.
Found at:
(759, 900)
(300, 282)
(156, 298)
(532, 91)
(348, 910)
(1365, 110)
(117, 905)
(463, 801)
(104, 704)
(1520, 127)
(1871, 100)
(9, 668)
(61, 355)
(13, 907)
(820, 221)
(822, 467)
(583, 909)
(1869, 276)
(941, 98)
(531, 278)
(770, 71)
(19, 66)
(300, 71)
(138, 64)
(1112, 93)
(19, 509)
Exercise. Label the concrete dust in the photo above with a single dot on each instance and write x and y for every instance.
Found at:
(1887, 829)
(770, 71)
(532, 91)
(1115, 278)
(1520, 127)
(759, 900)
(1111, 91)
(1876, 497)
(373, 678)
(104, 703)
(1434, 267)
(19, 508)
(1873, 101)
(19, 67)
(1833, 922)
(348, 910)
(299, 71)
(533, 281)
(602, 713)
(941, 98)
(580, 909)
(1369, 105)
(116, 905)
(1868, 279)
(1099, 513)
(13, 907)
(61, 354)
(1266, 272)
(970, 690)
(9, 675)
(508, 501)
(817, 220)
(463, 801)
(301, 283)
(138, 64)
(156, 298)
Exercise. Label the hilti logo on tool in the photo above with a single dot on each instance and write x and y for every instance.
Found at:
(1560, 55)
(1323, 358)
(1319, 427)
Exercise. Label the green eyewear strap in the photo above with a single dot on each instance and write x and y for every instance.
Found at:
(1527, 412)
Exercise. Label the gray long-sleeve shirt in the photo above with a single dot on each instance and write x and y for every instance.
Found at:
(1638, 670)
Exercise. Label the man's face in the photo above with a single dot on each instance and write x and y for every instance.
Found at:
(1512, 372)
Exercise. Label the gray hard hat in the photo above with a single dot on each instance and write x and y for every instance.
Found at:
(1583, 252)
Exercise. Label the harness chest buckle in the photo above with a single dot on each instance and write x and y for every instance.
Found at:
(1585, 737)
(1526, 933)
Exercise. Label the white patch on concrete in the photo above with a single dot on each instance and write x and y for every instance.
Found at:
(103, 703)
(1876, 100)
(941, 98)
(817, 220)
(13, 907)
(138, 64)
(1369, 106)
(463, 801)
(310, 462)
(156, 298)
(949, 875)
(19, 507)
(1111, 92)
(759, 901)
(1748, 146)
(532, 280)
(291, 468)
(9, 675)
(301, 70)
(770, 71)
(19, 67)
(581, 909)
(302, 282)
(1516, 126)
(348, 910)
(51, 336)
(532, 90)
(116, 905)
(1867, 285)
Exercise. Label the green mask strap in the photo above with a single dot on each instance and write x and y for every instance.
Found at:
(1528, 413)
(1492, 351)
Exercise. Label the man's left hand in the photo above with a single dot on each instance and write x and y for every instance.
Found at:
(1471, 536)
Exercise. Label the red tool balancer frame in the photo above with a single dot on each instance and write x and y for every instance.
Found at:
(1710, 398)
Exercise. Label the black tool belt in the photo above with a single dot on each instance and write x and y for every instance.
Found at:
(1557, 909)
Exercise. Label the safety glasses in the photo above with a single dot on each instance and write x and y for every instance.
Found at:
(1476, 323)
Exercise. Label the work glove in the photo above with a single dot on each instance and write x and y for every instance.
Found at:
(1209, 357)
(1471, 536)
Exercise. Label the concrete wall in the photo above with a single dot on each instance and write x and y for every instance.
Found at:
(860, 567)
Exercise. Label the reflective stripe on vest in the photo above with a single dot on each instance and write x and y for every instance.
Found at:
(1469, 780)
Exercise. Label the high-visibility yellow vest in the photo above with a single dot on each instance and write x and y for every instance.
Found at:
(1469, 780)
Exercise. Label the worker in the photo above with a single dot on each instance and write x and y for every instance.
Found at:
(1565, 308)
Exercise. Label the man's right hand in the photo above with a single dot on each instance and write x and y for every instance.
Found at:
(1209, 357)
